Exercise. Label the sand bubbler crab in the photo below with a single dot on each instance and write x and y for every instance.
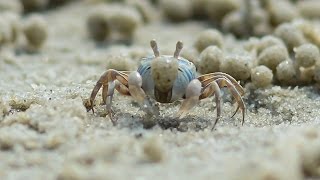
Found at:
(166, 79)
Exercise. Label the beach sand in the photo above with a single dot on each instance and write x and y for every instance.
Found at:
(46, 132)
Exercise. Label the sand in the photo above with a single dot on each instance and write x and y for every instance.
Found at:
(46, 132)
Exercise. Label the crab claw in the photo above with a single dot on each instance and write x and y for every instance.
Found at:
(149, 107)
(193, 92)
(89, 105)
(135, 83)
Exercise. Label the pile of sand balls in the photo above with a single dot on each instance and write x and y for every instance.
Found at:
(31, 31)
(177, 10)
(11, 6)
(290, 35)
(285, 51)
(207, 38)
(27, 6)
(249, 19)
(113, 21)
(37, 5)
(186, 9)
(285, 58)
(241, 17)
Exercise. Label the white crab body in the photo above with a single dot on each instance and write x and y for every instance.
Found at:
(166, 79)
(186, 73)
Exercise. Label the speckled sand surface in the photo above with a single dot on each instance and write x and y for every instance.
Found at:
(48, 133)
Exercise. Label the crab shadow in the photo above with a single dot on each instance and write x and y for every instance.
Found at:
(127, 120)
(191, 123)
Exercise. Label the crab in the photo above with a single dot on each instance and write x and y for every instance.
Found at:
(166, 79)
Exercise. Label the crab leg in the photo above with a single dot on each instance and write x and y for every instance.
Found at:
(208, 90)
(106, 81)
(193, 92)
(235, 112)
(122, 89)
(107, 95)
(207, 78)
(225, 83)
(224, 80)
(138, 94)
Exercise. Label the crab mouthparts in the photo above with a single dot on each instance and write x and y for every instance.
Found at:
(162, 97)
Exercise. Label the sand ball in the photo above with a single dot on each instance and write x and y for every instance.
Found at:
(210, 60)
(137, 53)
(120, 63)
(257, 15)
(5, 31)
(311, 160)
(272, 56)
(207, 38)
(10, 27)
(217, 9)
(281, 11)
(309, 9)
(164, 80)
(55, 3)
(286, 72)
(261, 76)
(145, 9)
(260, 22)
(153, 150)
(310, 30)
(268, 41)
(190, 54)
(290, 35)
(97, 24)
(124, 20)
(306, 75)
(317, 72)
(199, 8)
(238, 66)
(306, 55)
(14, 22)
(12, 5)
(251, 44)
(36, 30)
(249, 20)
(234, 23)
(177, 10)
(262, 29)
(32, 5)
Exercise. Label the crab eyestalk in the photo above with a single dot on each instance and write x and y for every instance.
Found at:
(154, 46)
(179, 47)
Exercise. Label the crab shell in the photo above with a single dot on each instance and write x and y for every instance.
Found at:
(165, 78)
